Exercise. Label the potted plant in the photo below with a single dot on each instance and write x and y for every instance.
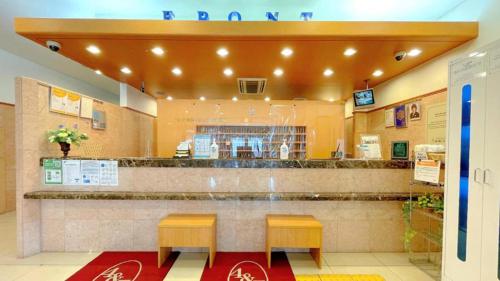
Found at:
(65, 137)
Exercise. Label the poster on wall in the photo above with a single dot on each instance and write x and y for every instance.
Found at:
(389, 118)
(65, 102)
(400, 116)
(73, 104)
(57, 100)
(86, 107)
(414, 111)
(436, 124)
(98, 120)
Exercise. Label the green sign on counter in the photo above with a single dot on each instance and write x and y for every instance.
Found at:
(53, 171)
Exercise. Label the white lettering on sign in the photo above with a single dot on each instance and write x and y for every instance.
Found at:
(114, 273)
(247, 271)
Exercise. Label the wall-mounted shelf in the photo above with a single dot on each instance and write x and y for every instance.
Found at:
(257, 141)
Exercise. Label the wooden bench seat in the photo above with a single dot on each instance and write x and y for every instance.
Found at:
(187, 230)
(292, 231)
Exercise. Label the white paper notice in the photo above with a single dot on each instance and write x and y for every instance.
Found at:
(427, 170)
(90, 172)
(86, 108)
(108, 173)
(71, 172)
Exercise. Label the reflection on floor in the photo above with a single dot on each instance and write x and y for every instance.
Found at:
(59, 266)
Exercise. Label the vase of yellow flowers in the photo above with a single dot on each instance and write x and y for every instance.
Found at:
(65, 137)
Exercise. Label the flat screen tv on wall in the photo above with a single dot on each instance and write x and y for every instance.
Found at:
(363, 98)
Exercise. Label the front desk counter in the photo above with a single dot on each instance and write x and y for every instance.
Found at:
(357, 201)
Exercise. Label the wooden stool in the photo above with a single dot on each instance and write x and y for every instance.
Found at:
(287, 231)
(183, 230)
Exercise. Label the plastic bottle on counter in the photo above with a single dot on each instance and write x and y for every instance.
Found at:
(284, 151)
(214, 150)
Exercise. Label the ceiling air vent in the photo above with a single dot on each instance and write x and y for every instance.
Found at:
(252, 86)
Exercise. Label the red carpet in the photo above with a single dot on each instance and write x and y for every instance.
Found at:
(248, 267)
(132, 266)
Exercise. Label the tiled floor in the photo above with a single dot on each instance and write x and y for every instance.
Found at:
(391, 266)
(189, 266)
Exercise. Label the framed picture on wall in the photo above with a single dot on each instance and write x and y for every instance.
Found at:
(400, 116)
(389, 118)
(415, 113)
(98, 120)
(400, 150)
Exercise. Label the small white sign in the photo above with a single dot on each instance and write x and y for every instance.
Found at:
(370, 146)
(108, 173)
(427, 171)
(71, 172)
(466, 69)
(90, 172)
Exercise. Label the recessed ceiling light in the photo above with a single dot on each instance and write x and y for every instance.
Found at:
(176, 71)
(222, 52)
(126, 70)
(202, 98)
(349, 52)
(286, 52)
(278, 72)
(93, 49)
(235, 99)
(157, 51)
(481, 54)
(267, 99)
(228, 71)
(473, 54)
(98, 72)
(331, 100)
(328, 72)
(170, 98)
(378, 73)
(414, 52)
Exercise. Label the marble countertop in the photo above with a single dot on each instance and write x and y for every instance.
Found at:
(220, 196)
(251, 163)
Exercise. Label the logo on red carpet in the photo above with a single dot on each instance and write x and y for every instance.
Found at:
(247, 271)
(123, 271)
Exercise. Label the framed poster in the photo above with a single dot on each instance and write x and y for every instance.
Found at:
(98, 120)
(415, 111)
(389, 117)
(201, 146)
(400, 116)
(436, 123)
(400, 150)
(65, 102)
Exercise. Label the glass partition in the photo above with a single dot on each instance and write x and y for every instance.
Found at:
(251, 129)
(463, 203)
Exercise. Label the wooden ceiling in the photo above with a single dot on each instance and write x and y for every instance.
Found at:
(254, 51)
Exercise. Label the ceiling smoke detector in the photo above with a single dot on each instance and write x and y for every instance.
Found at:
(252, 86)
